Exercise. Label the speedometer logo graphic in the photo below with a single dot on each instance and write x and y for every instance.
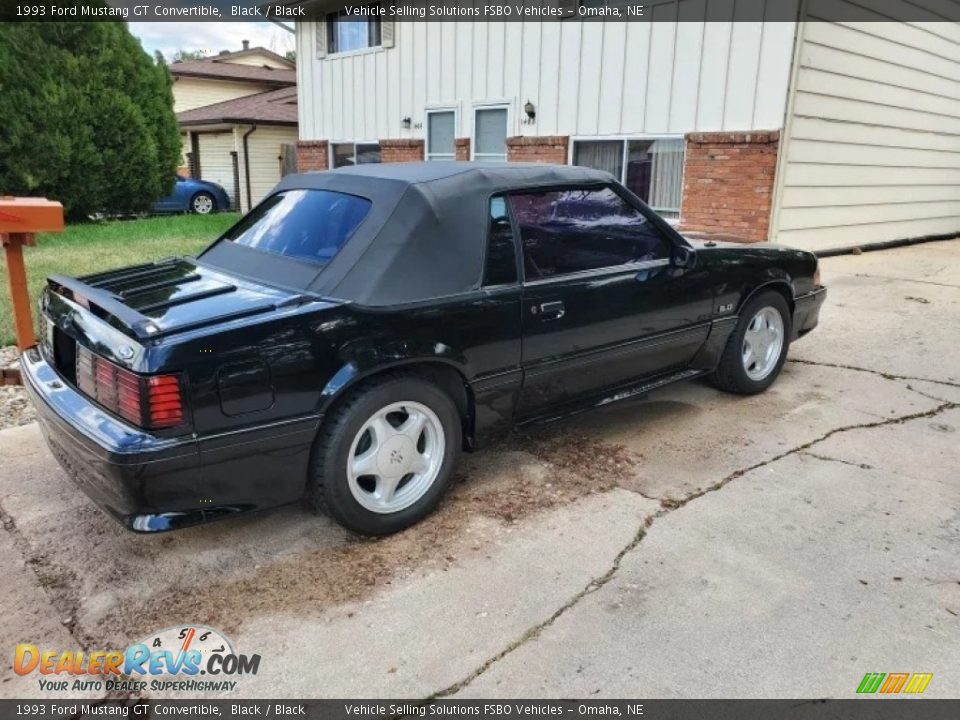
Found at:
(181, 639)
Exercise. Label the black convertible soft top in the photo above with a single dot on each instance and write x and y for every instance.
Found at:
(424, 237)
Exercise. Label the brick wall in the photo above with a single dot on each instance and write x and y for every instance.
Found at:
(462, 148)
(395, 151)
(544, 149)
(728, 183)
(312, 155)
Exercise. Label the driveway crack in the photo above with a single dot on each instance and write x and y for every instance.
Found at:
(535, 631)
(827, 458)
(668, 506)
(879, 373)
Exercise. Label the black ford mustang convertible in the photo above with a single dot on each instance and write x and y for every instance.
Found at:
(357, 330)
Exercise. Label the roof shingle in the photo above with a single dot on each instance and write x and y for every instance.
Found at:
(274, 107)
(233, 71)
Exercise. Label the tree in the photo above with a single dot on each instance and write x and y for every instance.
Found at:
(185, 55)
(87, 117)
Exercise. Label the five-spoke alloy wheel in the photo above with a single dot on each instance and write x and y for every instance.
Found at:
(757, 347)
(395, 457)
(385, 454)
(762, 343)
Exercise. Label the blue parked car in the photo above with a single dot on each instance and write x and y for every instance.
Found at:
(196, 196)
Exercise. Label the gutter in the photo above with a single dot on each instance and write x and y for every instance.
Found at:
(236, 121)
(276, 82)
(246, 164)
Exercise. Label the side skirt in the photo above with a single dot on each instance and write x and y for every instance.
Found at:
(624, 392)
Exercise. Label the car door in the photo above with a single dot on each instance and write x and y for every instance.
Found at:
(602, 304)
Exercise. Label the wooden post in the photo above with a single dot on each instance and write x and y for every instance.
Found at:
(20, 218)
(19, 294)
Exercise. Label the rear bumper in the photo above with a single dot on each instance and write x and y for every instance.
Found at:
(138, 478)
(806, 312)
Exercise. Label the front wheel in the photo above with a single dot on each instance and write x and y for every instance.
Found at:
(757, 348)
(386, 455)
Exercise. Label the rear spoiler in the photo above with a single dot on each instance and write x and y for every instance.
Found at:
(88, 291)
(139, 325)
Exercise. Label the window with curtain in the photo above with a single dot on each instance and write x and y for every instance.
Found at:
(600, 155)
(347, 32)
(490, 135)
(345, 154)
(652, 169)
(440, 132)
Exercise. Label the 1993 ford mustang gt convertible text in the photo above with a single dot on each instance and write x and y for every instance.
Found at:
(360, 327)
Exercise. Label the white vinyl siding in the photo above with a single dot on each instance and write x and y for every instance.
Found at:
(190, 93)
(872, 148)
(584, 78)
(260, 61)
(265, 152)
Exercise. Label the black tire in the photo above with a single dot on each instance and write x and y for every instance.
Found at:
(731, 375)
(198, 205)
(328, 486)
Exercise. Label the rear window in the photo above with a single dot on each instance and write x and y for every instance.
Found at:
(306, 224)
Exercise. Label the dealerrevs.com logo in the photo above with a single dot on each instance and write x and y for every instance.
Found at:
(190, 658)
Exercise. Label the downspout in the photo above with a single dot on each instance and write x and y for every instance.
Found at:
(246, 164)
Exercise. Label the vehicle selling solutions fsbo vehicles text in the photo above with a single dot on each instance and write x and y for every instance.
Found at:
(504, 10)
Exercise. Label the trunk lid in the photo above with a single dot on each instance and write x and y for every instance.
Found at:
(159, 299)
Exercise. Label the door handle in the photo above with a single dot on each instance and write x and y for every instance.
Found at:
(550, 310)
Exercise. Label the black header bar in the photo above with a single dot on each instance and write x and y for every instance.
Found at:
(290, 11)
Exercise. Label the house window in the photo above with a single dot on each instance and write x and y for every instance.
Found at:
(351, 32)
(440, 132)
(490, 135)
(346, 154)
(652, 169)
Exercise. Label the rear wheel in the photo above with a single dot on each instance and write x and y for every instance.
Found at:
(203, 203)
(386, 455)
(757, 348)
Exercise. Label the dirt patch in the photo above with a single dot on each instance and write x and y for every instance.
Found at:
(526, 474)
(15, 408)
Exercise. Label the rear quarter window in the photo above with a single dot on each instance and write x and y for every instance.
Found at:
(305, 224)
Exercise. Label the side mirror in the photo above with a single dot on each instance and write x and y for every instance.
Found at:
(683, 257)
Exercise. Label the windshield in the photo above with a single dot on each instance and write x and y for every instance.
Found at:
(306, 224)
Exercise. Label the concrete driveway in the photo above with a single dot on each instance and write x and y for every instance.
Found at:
(689, 544)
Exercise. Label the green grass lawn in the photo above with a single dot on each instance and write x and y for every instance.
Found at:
(90, 247)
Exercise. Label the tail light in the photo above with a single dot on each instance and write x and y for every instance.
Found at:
(151, 402)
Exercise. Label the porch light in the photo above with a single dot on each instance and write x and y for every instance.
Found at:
(530, 110)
